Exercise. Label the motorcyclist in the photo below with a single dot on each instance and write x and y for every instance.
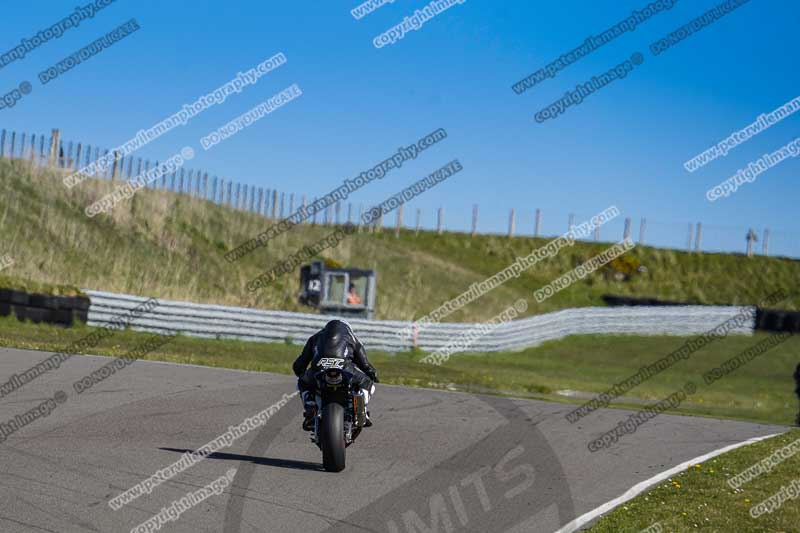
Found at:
(335, 340)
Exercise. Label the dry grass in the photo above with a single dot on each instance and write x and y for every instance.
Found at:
(171, 246)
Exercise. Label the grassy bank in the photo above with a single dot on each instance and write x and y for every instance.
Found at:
(761, 391)
(171, 247)
(700, 498)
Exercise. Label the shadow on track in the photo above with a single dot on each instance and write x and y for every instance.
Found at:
(265, 461)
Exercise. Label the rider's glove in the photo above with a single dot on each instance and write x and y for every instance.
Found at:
(374, 376)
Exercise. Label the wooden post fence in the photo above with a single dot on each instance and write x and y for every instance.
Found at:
(765, 242)
(626, 233)
(511, 223)
(440, 221)
(538, 223)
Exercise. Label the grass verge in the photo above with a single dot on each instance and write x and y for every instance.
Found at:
(762, 391)
(700, 499)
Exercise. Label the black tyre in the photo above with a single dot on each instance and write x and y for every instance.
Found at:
(332, 437)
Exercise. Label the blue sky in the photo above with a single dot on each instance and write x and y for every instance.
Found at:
(624, 145)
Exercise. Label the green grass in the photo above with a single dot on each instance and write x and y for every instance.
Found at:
(761, 391)
(171, 247)
(699, 499)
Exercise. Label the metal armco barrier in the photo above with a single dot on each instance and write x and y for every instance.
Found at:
(216, 321)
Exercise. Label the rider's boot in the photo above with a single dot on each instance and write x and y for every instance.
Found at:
(309, 411)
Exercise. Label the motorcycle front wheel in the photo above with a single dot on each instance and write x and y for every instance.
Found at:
(332, 437)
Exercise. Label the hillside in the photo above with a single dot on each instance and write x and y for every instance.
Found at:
(171, 246)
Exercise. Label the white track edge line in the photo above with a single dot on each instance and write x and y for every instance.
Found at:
(646, 484)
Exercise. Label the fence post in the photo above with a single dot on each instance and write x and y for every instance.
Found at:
(41, 149)
(538, 222)
(13, 142)
(765, 242)
(440, 221)
(474, 220)
(77, 156)
(114, 166)
(571, 222)
(399, 222)
(33, 146)
(751, 238)
(283, 196)
(642, 226)
(314, 214)
(205, 186)
(626, 233)
(146, 170)
(3, 144)
(291, 204)
(511, 223)
(305, 212)
(274, 204)
(154, 183)
(338, 210)
(597, 233)
(222, 191)
(698, 237)
(22, 147)
(349, 213)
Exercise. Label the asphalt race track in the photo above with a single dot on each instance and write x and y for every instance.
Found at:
(434, 461)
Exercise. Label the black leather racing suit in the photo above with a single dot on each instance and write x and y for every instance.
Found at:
(337, 340)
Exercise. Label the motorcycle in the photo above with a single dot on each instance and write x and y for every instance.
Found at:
(341, 412)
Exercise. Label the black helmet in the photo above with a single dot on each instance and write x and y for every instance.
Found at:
(335, 336)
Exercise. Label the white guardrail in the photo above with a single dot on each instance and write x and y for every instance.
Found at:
(217, 321)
